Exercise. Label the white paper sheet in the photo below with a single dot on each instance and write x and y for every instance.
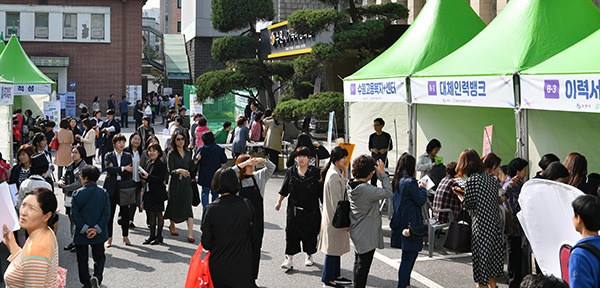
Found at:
(14, 193)
(8, 214)
(428, 182)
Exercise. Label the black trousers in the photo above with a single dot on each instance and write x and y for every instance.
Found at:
(82, 262)
(124, 120)
(515, 262)
(273, 156)
(124, 211)
(362, 265)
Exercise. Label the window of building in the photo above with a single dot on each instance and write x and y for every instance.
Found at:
(41, 25)
(12, 24)
(178, 26)
(70, 26)
(179, 4)
(98, 26)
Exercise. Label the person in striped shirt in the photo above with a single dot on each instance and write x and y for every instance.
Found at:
(36, 264)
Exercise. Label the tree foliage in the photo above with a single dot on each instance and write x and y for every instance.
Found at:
(314, 21)
(233, 47)
(230, 15)
(319, 105)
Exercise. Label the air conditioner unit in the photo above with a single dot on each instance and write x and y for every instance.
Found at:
(9, 32)
(41, 32)
(69, 33)
(97, 33)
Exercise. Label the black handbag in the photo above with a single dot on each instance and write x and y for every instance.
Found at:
(127, 192)
(195, 194)
(417, 232)
(341, 217)
(458, 238)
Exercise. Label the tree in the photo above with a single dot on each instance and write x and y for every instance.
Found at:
(244, 72)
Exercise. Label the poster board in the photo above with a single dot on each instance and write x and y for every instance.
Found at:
(52, 110)
(350, 148)
(70, 104)
(6, 95)
(133, 93)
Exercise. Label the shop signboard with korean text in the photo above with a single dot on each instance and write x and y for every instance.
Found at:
(384, 90)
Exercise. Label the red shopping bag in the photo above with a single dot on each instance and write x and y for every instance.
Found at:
(199, 272)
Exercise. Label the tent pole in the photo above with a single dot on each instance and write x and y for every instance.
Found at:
(520, 121)
(412, 119)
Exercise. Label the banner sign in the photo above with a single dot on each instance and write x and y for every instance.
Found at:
(70, 104)
(383, 90)
(474, 91)
(195, 107)
(286, 42)
(52, 110)
(6, 95)
(487, 140)
(133, 92)
(32, 89)
(576, 93)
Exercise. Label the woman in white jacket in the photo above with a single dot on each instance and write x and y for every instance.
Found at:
(89, 141)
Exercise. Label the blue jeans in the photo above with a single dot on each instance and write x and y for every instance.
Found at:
(331, 268)
(406, 266)
(205, 192)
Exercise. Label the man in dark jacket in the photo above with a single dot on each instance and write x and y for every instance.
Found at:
(90, 211)
(111, 102)
(212, 158)
(108, 130)
(124, 110)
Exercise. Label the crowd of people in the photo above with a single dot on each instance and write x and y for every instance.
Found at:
(142, 175)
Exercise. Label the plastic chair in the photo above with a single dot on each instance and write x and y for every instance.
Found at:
(434, 225)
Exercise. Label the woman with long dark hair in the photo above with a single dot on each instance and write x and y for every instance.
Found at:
(136, 150)
(334, 242)
(88, 139)
(577, 166)
(180, 165)
(482, 200)
(409, 197)
(39, 143)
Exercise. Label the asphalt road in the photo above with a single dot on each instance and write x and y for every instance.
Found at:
(166, 265)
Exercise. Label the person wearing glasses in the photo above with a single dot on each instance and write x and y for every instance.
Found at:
(380, 143)
(180, 166)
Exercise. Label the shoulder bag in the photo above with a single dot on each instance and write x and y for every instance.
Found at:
(127, 191)
(54, 143)
(341, 217)
(458, 238)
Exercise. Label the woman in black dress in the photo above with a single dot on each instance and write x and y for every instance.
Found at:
(155, 194)
(227, 233)
(303, 222)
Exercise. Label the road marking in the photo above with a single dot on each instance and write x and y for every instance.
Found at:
(396, 264)
(442, 257)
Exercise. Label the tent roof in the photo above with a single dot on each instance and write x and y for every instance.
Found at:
(2, 46)
(16, 66)
(441, 27)
(577, 59)
(526, 33)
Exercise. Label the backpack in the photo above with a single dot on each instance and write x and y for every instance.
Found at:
(565, 254)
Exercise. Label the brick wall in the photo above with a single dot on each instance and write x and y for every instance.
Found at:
(199, 56)
(100, 69)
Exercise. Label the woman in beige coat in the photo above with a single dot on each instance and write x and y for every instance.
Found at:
(333, 242)
(65, 142)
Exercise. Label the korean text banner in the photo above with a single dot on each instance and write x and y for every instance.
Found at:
(32, 89)
(382, 90)
(6, 94)
(475, 91)
(576, 93)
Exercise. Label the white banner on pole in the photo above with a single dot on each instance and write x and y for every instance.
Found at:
(70, 104)
(474, 91)
(379, 90)
(32, 89)
(195, 107)
(133, 93)
(576, 93)
(52, 110)
(330, 129)
(6, 95)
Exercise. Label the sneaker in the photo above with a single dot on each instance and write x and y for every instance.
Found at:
(308, 261)
(94, 282)
(287, 264)
(334, 284)
(343, 281)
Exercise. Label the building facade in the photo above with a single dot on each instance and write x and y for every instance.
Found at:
(90, 47)
(170, 16)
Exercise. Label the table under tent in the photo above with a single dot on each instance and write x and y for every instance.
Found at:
(474, 87)
(31, 87)
(378, 89)
(561, 97)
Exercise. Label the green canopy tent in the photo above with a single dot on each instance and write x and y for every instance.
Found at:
(554, 91)
(31, 86)
(441, 27)
(480, 74)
